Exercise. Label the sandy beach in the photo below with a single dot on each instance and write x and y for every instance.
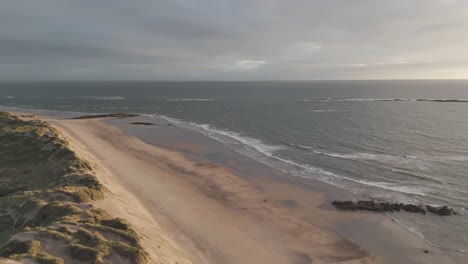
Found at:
(234, 132)
(191, 210)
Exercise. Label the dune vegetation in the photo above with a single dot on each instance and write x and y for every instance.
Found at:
(46, 194)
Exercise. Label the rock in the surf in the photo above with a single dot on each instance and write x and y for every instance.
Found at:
(441, 210)
(374, 206)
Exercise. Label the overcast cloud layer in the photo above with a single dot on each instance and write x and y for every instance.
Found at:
(233, 40)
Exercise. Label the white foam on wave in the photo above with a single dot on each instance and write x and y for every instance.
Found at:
(387, 158)
(190, 99)
(454, 158)
(229, 137)
(411, 228)
(148, 115)
(381, 185)
(326, 110)
(245, 145)
(370, 100)
(443, 100)
(412, 173)
(353, 100)
(169, 119)
(356, 156)
(369, 156)
(7, 97)
(98, 107)
(396, 188)
(106, 97)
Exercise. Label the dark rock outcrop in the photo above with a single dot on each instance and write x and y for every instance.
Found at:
(117, 115)
(441, 210)
(374, 206)
(143, 123)
(412, 208)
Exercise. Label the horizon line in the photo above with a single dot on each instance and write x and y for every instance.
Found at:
(297, 80)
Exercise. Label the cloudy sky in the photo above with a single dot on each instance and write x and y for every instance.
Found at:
(233, 40)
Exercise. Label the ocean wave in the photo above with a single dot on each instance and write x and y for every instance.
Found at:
(384, 157)
(420, 176)
(374, 100)
(285, 165)
(190, 99)
(328, 110)
(396, 187)
(353, 100)
(99, 107)
(228, 136)
(412, 229)
(453, 158)
(105, 97)
(7, 97)
(356, 156)
(385, 100)
(325, 110)
(381, 185)
(443, 100)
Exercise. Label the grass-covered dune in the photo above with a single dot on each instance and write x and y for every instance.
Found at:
(45, 194)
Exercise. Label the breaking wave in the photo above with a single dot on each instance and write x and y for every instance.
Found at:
(264, 153)
(386, 100)
(226, 136)
(329, 110)
(384, 157)
(190, 99)
(359, 156)
(99, 107)
(105, 97)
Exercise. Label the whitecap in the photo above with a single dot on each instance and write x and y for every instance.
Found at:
(287, 166)
(381, 185)
(106, 97)
(227, 136)
(190, 99)
(326, 110)
(442, 100)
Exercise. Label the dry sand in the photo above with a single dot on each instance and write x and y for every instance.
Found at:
(198, 212)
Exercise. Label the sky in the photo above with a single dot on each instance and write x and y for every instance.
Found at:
(233, 40)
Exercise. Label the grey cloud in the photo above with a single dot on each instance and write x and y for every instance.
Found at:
(216, 40)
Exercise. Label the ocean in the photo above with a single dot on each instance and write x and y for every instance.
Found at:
(403, 141)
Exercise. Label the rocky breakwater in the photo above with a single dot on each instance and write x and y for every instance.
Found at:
(381, 207)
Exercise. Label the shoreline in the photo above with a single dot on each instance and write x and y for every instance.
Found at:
(238, 238)
(239, 194)
(406, 245)
(316, 219)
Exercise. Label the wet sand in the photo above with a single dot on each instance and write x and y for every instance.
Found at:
(197, 201)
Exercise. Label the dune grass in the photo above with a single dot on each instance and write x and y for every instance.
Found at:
(43, 190)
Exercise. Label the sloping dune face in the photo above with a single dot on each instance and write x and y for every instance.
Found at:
(45, 195)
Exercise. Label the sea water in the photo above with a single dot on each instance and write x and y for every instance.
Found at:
(404, 141)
